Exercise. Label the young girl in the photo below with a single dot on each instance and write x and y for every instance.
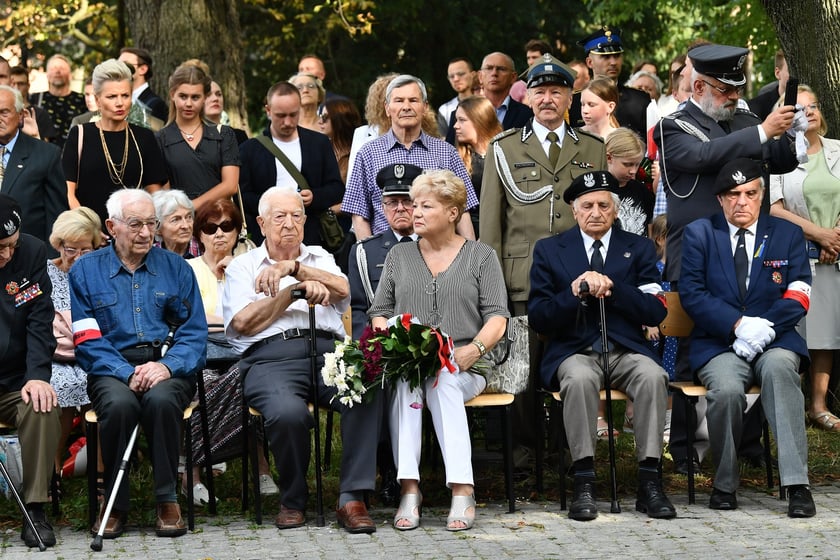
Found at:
(598, 101)
(624, 154)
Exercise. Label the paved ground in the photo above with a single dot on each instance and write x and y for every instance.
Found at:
(759, 529)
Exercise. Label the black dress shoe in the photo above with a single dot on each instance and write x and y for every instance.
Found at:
(681, 467)
(583, 506)
(801, 503)
(651, 499)
(45, 530)
(723, 500)
(389, 491)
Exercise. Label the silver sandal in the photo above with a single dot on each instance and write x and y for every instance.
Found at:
(411, 509)
(458, 512)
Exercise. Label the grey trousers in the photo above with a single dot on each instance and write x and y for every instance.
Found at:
(727, 377)
(644, 381)
(278, 383)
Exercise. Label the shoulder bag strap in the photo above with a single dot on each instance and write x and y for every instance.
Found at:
(81, 137)
(284, 161)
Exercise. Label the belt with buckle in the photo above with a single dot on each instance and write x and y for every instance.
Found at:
(288, 334)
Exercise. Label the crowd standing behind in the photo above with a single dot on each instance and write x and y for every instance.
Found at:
(316, 158)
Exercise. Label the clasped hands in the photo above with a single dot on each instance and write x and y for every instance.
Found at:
(753, 335)
(268, 282)
(148, 375)
(600, 286)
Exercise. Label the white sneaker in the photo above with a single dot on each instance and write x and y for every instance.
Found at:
(267, 486)
(201, 495)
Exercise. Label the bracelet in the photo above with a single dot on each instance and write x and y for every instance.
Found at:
(480, 345)
(296, 269)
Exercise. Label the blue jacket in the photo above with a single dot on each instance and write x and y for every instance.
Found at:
(709, 291)
(553, 309)
(114, 309)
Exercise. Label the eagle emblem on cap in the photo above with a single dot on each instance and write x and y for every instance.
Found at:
(739, 178)
(399, 171)
(740, 62)
(9, 227)
(589, 180)
(608, 35)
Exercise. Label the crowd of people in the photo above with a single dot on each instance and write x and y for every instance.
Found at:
(142, 236)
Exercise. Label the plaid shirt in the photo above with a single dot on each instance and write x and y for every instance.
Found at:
(363, 197)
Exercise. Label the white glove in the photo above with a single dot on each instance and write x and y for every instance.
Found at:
(800, 121)
(744, 349)
(797, 131)
(756, 331)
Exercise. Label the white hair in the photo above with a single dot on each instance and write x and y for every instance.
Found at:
(17, 96)
(615, 199)
(167, 202)
(284, 190)
(124, 197)
(644, 74)
(404, 80)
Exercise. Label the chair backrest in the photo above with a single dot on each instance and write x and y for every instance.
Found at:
(677, 322)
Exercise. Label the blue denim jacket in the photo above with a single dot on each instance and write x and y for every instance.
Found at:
(114, 309)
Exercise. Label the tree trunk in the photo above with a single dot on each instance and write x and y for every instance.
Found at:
(806, 30)
(175, 30)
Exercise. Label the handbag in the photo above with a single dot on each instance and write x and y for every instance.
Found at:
(332, 234)
(509, 359)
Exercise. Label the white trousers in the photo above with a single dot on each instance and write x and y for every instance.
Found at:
(449, 417)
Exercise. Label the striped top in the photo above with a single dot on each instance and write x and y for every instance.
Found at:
(459, 300)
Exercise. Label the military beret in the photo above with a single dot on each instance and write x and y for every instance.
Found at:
(397, 178)
(737, 172)
(720, 61)
(549, 70)
(606, 40)
(591, 181)
(9, 216)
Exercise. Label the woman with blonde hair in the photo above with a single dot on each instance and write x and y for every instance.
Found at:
(598, 102)
(455, 285)
(312, 94)
(475, 125)
(201, 159)
(113, 154)
(809, 196)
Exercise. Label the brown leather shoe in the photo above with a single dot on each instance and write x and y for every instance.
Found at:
(169, 520)
(115, 525)
(354, 518)
(289, 518)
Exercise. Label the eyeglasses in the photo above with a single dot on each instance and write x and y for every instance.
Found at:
(309, 85)
(210, 228)
(500, 69)
(813, 107)
(323, 117)
(73, 251)
(280, 218)
(727, 91)
(392, 204)
(135, 225)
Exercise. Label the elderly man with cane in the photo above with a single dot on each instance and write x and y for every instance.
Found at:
(268, 322)
(123, 298)
(618, 268)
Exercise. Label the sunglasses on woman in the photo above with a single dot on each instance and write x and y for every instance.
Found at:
(210, 228)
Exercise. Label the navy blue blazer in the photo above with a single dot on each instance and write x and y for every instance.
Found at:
(35, 179)
(553, 309)
(318, 166)
(376, 249)
(710, 295)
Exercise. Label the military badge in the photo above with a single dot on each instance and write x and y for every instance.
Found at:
(399, 171)
(589, 180)
(777, 277)
(12, 288)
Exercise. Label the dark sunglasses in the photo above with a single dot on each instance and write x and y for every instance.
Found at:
(210, 228)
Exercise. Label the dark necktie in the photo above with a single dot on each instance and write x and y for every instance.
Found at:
(597, 261)
(724, 125)
(741, 262)
(554, 149)
(406, 239)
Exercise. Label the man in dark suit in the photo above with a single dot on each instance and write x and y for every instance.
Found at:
(695, 142)
(621, 268)
(746, 283)
(27, 401)
(141, 61)
(771, 95)
(604, 57)
(31, 170)
(497, 75)
(310, 152)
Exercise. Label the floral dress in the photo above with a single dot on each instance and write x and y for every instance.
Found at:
(68, 379)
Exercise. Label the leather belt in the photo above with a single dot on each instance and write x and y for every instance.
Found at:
(288, 334)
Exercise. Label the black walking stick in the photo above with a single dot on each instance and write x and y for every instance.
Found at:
(300, 293)
(605, 365)
(174, 319)
(26, 518)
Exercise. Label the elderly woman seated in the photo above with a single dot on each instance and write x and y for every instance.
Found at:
(175, 214)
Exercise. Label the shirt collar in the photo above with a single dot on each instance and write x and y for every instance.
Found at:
(588, 241)
(392, 142)
(11, 145)
(398, 236)
(115, 264)
(541, 131)
(140, 89)
(733, 229)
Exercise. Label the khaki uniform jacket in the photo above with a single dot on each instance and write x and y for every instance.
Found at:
(516, 208)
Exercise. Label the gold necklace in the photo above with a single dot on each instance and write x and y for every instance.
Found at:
(117, 172)
(190, 136)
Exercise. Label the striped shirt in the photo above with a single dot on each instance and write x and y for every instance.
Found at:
(363, 197)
